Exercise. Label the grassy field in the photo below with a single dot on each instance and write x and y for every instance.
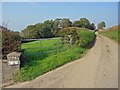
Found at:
(113, 34)
(40, 61)
(38, 50)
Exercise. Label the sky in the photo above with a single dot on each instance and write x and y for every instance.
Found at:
(60, 0)
(19, 15)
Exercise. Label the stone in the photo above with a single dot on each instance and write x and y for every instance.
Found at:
(14, 58)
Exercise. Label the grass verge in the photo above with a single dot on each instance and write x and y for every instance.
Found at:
(113, 34)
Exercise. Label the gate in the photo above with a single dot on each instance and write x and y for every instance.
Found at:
(39, 49)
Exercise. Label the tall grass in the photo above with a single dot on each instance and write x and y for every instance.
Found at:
(40, 63)
(39, 67)
(113, 34)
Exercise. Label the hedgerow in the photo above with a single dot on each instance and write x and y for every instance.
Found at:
(10, 41)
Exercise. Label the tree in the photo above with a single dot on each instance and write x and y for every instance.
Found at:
(92, 26)
(31, 31)
(26, 33)
(38, 26)
(101, 25)
(83, 22)
(56, 24)
(65, 23)
(39, 30)
(48, 24)
(69, 35)
(76, 24)
(46, 30)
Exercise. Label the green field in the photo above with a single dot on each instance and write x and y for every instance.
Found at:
(113, 34)
(40, 60)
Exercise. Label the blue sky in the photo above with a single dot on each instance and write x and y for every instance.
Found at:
(20, 14)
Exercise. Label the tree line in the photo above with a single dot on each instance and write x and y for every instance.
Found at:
(50, 28)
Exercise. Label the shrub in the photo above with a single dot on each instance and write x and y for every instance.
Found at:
(69, 35)
(10, 41)
(87, 38)
(80, 36)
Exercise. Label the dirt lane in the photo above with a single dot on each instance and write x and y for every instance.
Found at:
(97, 69)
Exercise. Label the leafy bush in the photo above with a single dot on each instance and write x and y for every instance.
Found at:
(80, 36)
(69, 35)
(87, 38)
(10, 41)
